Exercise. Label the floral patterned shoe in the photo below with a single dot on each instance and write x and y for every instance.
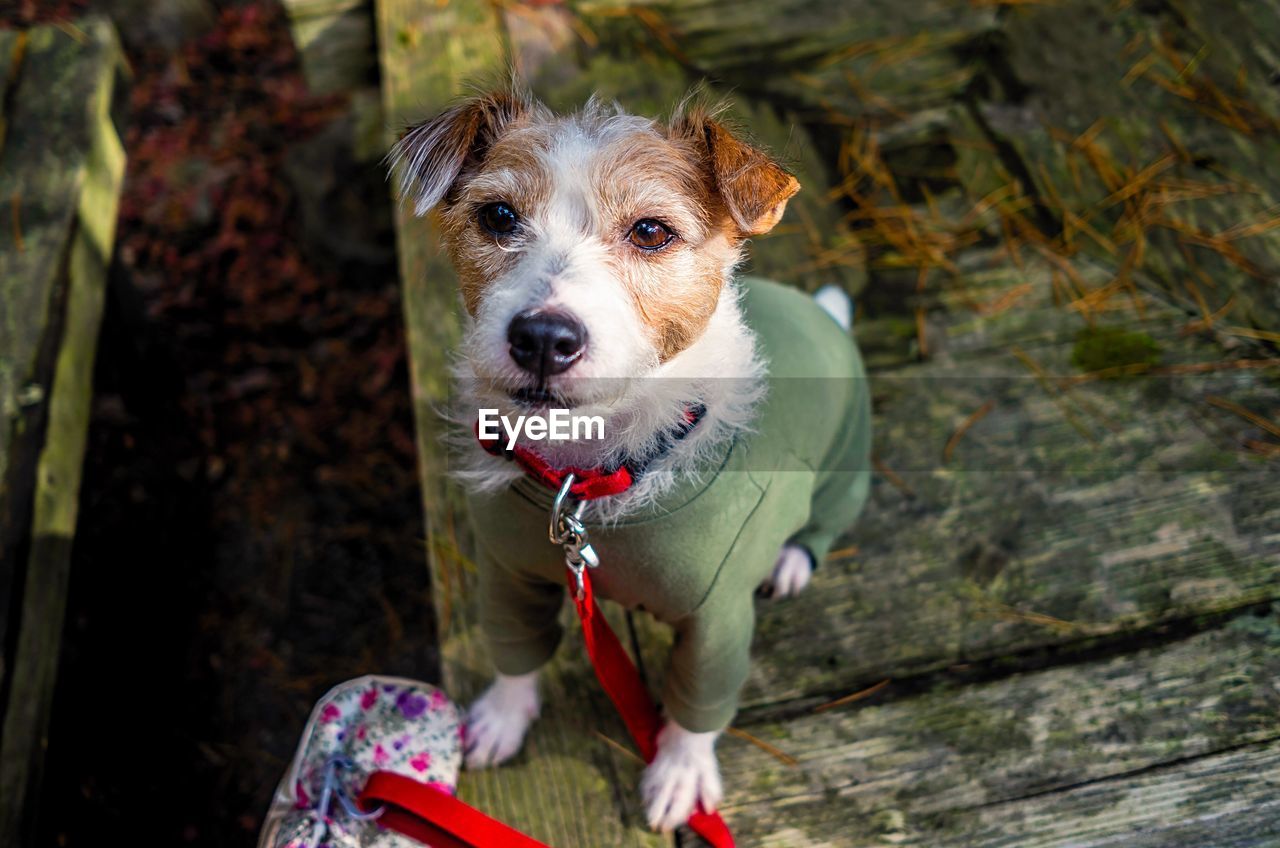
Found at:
(388, 725)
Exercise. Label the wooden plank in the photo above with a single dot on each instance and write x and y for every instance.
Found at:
(1184, 89)
(568, 787)
(992, 305)
(806, 54)
(965, 95)
(33, 248)
(336, 42)
(956, 764)
(1064, 516)
(1228, 800)
(68, 183)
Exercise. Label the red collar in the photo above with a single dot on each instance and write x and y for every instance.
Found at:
(598, 482)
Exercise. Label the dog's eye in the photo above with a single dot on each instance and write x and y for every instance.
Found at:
(499, 219)
(650, 234)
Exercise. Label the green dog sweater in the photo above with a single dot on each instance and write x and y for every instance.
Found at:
(695, 558)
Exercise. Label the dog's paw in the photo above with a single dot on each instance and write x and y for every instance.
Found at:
(497, 721)
(791, 573)
(682, 777)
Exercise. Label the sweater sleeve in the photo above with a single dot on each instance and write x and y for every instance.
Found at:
(710, 661)
(844, 480)
(519, 617)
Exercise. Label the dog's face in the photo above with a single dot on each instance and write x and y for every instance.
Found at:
(588, 246)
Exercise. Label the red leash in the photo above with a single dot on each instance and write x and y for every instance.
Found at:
(622, 683)
(442, 821)
(435, 818)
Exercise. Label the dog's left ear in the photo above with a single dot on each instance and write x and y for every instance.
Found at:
(432, 154)
(754, 187)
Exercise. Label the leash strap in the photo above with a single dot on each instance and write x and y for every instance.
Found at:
(621, 682)
(435, 818)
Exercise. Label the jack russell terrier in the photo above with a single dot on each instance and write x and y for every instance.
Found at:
(595, 254)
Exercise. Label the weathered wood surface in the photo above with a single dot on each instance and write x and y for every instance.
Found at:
(1157, 124)
(1029, 517)
(876, 57)
(1068, 513)
(1227, 800)
(927, 765)
(61, 166)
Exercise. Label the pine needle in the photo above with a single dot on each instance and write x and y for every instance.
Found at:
(974, 417)
(843, 553)
(619, 747)
(781, 756)
(856, 696)
(1043, 378)
(1252, 417)
(1267, 449)
(892, 476)
(1250, 333)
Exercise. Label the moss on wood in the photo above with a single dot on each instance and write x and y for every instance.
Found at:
(1114, 350)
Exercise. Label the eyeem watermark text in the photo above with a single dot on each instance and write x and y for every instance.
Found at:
(558, 425)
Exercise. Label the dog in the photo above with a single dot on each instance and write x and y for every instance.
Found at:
(596, 254)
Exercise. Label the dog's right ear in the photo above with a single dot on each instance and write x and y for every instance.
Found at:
(431, 155)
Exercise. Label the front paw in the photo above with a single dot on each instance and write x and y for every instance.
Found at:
(682, 777)
(498, 720)
(791, 573)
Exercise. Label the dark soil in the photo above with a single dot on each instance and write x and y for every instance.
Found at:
(250, 531)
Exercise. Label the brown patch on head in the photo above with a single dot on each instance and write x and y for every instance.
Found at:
(648, 175)
(439, 158)
(514, 172)
(754, 187)
(732, 189)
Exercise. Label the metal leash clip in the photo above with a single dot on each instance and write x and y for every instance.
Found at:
(567, 530)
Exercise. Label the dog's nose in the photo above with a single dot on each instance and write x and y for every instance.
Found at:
(546, 343)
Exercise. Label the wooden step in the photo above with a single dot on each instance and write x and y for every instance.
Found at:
(1027, 517)
(61, 167)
